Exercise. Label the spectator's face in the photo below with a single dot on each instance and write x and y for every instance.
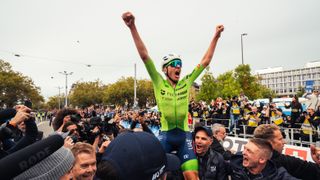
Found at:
(73, 128)
(251, 156)
(202, 142)
(277, 142)
(221, 135)
(84, 167)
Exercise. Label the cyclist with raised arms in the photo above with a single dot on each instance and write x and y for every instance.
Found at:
(172, 96)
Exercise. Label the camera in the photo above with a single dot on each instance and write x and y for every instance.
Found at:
(251, 113)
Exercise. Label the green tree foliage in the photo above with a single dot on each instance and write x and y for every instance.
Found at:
(145, 93)
(208, 89)
(232, 83)
(122, 91)
(249, 83)
(84, 94)
(119, 92)
(53, 102)
(15, 88)
(227, 85)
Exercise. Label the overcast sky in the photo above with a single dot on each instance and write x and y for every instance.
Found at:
(67, 35)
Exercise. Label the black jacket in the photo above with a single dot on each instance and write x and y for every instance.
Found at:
(296, 167)
(270, 172)
(216, 146)
(211, 166)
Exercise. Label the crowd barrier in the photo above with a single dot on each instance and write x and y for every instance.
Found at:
(293, 136)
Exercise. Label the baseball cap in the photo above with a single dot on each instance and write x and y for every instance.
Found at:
(139, 155)
(203, 128)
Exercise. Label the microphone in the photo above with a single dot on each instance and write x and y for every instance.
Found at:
(19, 161)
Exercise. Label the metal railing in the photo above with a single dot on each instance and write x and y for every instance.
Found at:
(293, 136)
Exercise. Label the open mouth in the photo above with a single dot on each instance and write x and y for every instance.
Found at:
(199, 147)
(177, 74)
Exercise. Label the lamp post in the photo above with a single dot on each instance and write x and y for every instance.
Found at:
(66, 74)
(243, 34)
(59, 97)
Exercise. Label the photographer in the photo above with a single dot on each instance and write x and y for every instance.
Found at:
(140, 119)
(310, 122)
(19, 114)
(275, 114)
(253, 118)
(63, 116)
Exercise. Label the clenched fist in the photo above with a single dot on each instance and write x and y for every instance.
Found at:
(219, 29)
(128, 18)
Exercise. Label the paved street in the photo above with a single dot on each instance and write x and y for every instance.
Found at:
(44, 126)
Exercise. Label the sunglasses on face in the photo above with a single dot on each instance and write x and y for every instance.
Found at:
(175, 63)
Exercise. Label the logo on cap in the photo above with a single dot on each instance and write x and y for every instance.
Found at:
(158, 173)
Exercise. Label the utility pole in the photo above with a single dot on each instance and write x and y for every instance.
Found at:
(66, 74)
(243, 34)
(59, 97)
(135, 87)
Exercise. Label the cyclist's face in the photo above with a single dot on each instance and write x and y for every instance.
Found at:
(173, 73)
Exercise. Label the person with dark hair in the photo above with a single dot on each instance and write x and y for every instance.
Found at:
(296, 110)
(296, 167)
(254, 163)
(211, 163)
(172, 96)
(62, 117)
(309, 126)
(275, 114)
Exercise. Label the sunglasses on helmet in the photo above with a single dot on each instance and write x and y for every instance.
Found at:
(175, 63)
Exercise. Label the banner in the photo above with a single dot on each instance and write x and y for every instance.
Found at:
(237, 144)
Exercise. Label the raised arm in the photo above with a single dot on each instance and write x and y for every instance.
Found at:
(209, 54)
(128, 18)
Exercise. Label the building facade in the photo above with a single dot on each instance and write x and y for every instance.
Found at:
(287, 82)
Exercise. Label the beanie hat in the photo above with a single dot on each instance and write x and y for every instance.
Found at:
(44, 159)
(52, 167)
(139, 155)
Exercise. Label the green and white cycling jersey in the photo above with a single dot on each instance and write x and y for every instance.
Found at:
(172, 102)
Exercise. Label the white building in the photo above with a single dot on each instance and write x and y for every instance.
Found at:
(287, 82)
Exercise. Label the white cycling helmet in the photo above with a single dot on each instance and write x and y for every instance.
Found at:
(168, 58)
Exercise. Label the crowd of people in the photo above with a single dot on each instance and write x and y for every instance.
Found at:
(109, 144)
(239, 112)
(106, 143)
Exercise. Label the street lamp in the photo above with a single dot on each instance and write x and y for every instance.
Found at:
(59, 96)
(243, 34)
(66, 74)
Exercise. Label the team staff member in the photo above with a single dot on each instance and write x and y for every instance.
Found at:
(296, 167)
(211, 163)
(172, 96)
